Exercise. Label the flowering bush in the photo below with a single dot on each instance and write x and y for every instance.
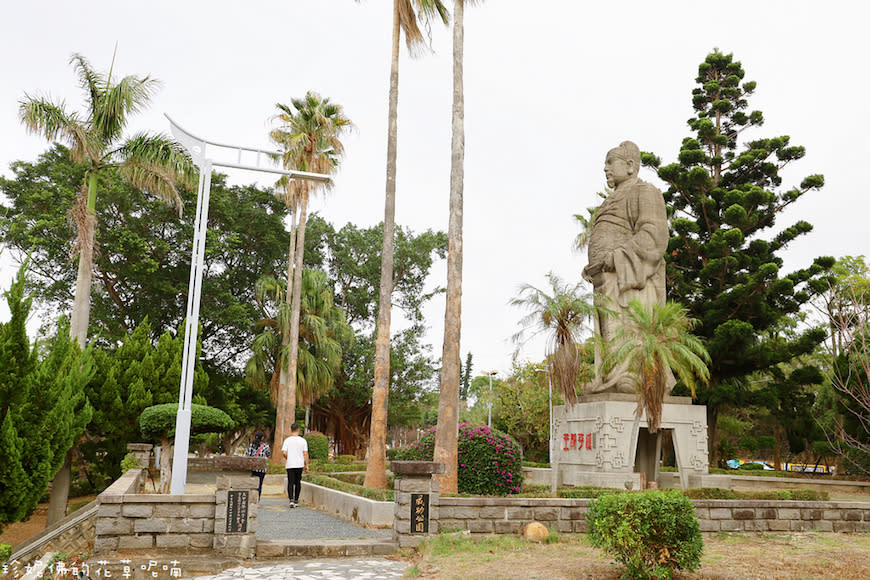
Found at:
(490, 462)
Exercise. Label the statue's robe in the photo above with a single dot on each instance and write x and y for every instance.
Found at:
(632, 226)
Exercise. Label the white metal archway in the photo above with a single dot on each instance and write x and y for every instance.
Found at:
(197, 148)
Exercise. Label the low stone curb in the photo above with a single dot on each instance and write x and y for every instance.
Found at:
(282, 549)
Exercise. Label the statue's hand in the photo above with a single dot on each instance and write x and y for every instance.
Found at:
(592, 270)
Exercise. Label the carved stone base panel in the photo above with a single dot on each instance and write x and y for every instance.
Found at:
(597, 441)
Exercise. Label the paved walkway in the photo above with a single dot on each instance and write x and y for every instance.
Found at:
(331, 569)
(277, 521)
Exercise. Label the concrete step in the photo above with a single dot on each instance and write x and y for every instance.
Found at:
(283, 549)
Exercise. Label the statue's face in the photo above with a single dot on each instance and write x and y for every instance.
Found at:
(617, 169)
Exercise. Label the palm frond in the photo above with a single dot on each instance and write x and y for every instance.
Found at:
(155, 164)
(118, 102)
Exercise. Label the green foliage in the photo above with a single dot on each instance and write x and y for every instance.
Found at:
(490, 462)
(332, 483)
(5, 552)
(351, 255)
(770, 494)
(43, 406)
(137, 374)
(158, 421)
(129, 462)
(750, 467)
(723, 258)
(345, 459)
(142, 268)
(652, 533)
(318, 446)
(521, 408)
(327, 467)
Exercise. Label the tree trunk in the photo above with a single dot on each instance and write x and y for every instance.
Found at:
(376, 474)
(712, 433)
(59, 492)
(446, 443)
(289, 407)
(165, 465)
(777, 452)
(78, 330)
(282, 425)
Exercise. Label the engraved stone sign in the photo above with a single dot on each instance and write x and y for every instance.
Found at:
(237, 512)
(419, 513)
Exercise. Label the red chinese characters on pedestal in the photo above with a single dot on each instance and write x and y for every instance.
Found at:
(576, 441)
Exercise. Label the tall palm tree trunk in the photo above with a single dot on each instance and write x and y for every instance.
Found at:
(376, 475)
(282, 426)
(446, 445)
(288, 409)
(86, 221)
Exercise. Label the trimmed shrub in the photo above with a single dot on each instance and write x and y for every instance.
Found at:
(652, 533)
(5, 552)
(318, 446)
(490, 462)
(750, 467)
(345, 459)
(129, 462)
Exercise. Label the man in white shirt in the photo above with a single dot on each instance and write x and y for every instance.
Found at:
(295, 451)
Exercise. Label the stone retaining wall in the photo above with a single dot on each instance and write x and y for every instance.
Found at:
(73, 534)
(510, 515)
(128, 520)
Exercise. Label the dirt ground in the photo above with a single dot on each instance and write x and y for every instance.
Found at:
(18, 532)
(726, 556)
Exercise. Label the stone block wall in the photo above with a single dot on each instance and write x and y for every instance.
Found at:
(128, 520)
(510, 515)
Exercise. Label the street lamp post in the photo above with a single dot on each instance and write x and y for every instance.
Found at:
(197, 148)
(550, 446)
(489, 400)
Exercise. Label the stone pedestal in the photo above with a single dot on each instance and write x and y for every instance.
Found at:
(600, 441)
(416, 501)
(235, 516)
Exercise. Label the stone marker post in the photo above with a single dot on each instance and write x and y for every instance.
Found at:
(235, 516)
(416, 501)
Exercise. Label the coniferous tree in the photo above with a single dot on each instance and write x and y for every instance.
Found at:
(724, 261)
(43, 409)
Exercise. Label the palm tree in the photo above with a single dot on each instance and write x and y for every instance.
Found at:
(309, 135)
(405, 19)
(322, 332)
(446, 445)
(654, 341)
(564, 315)
(150, 162)
(582, 239)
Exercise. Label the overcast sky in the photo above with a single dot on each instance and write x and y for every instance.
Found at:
(550, 86)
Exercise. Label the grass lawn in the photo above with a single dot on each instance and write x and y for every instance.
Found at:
(726, 556)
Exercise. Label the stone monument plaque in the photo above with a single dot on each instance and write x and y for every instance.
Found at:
(237, 512)
(419, 513)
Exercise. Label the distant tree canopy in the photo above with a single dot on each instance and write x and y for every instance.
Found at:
(723, 261)
(142, 266)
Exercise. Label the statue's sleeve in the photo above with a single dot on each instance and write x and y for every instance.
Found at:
(640, 258)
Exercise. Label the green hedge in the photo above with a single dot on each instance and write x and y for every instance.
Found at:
(652, 533)
(160, 419)
(318, 446)
(332, 483)
(770, 494)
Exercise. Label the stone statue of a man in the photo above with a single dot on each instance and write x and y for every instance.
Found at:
(626, 254)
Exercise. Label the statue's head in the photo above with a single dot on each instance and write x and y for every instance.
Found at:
(622, 163)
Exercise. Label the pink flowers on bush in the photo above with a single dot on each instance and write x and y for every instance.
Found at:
(490, 461)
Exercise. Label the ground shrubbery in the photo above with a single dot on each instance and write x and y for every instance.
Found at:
(318, 446)
(652, 533)
(490, 462)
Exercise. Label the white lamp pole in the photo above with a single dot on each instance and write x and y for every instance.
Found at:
(196, 147)
(489, 399)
